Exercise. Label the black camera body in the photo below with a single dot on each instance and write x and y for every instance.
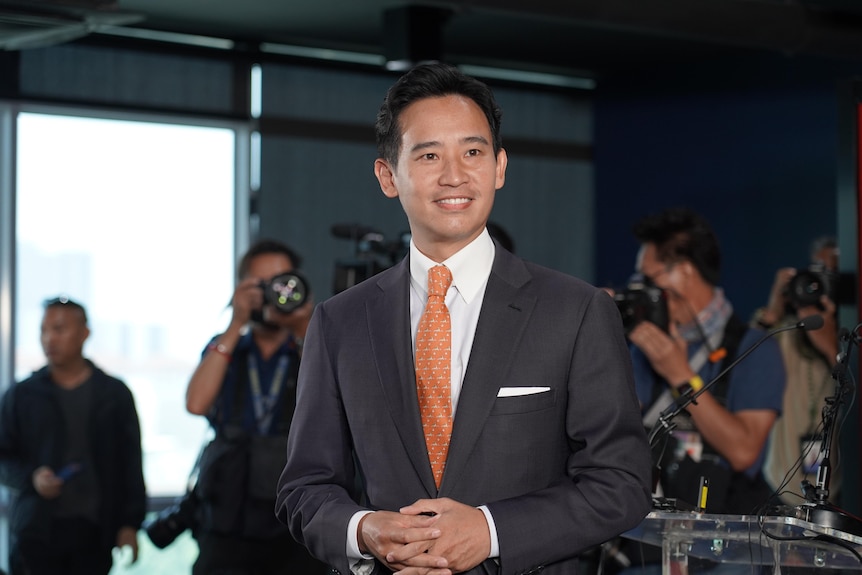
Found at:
(173, 521)
(809, 285)
(286, 292)
(642, 300)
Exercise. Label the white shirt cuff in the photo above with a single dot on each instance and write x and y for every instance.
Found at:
(353, 551)
(492, 530)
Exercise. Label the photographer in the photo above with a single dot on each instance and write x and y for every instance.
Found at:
(245, 385)
(722, 436)
(808, 360)
(730, 423)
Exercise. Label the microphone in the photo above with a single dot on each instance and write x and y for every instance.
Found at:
(810, 322)
(664, 423)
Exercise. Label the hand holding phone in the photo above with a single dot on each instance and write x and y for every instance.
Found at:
(68, 471)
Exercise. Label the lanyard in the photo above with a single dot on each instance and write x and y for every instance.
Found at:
(264, 405)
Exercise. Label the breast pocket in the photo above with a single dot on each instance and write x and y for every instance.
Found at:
(514, 404)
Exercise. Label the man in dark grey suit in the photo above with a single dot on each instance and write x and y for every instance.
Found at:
(547, 454)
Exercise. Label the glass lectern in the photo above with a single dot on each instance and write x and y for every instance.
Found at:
(747, 539)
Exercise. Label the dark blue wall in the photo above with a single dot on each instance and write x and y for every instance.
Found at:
(751, 145)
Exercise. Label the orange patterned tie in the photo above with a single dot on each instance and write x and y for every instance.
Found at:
(433, 367)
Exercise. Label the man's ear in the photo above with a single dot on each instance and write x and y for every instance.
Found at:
(502, 161)
(386, 177)
(689, 272)
(686, 267)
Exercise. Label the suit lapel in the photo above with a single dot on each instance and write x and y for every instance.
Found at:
(389, 323)
(506, 309)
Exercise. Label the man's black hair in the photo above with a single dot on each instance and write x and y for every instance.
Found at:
(433, 80)
(63, 301)
(263, 247)
(680, 234)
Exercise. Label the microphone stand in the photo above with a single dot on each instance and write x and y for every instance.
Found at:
(663, 427)
(817, 508)
(665, 424)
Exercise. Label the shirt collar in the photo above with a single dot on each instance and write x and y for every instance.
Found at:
(470, 266)
(710, 320)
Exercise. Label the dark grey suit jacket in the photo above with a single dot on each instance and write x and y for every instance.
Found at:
(560, 470)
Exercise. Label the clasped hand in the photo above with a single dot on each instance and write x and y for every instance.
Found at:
(429, 537)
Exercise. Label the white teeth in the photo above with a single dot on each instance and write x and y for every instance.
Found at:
(454, 201)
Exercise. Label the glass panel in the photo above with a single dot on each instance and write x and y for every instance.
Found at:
(135, 220)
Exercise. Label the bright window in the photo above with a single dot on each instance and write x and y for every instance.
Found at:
(136, 221)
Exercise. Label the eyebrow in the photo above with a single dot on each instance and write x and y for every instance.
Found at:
(430, 144)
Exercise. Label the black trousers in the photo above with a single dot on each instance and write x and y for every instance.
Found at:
(223, 555)
(73, 548)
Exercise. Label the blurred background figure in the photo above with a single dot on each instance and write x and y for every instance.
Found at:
(70, 449)
(245, 385)
(723, 436)
(794, 449)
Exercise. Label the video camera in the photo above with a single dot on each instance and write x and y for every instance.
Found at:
(372, 254)
(642, 300)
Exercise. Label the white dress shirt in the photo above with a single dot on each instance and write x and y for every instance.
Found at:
(470, 268)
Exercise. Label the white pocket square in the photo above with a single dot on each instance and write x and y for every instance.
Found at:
(516, 391)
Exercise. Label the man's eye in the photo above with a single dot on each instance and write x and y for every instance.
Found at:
(429, 156)
(473, 152)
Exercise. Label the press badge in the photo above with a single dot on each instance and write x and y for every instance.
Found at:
(687, 443)
(812, 454)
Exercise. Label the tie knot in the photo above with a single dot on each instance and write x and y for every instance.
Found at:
(439, 279)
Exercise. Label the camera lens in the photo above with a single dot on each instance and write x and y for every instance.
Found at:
(286, 292)
(171, 522)
(805, 288)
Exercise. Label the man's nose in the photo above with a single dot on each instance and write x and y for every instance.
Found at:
(454, 173)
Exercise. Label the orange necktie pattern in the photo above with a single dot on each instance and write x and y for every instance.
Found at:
(433, 368)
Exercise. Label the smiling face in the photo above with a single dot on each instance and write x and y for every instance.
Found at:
(446, 175)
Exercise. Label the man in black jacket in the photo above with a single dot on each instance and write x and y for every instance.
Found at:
(70, 449)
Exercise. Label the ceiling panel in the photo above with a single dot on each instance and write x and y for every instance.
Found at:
(572, 36)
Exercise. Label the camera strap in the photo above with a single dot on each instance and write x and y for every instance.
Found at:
(661, 390)
(727, 338)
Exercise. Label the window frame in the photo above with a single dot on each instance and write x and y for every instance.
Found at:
(9, 113)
